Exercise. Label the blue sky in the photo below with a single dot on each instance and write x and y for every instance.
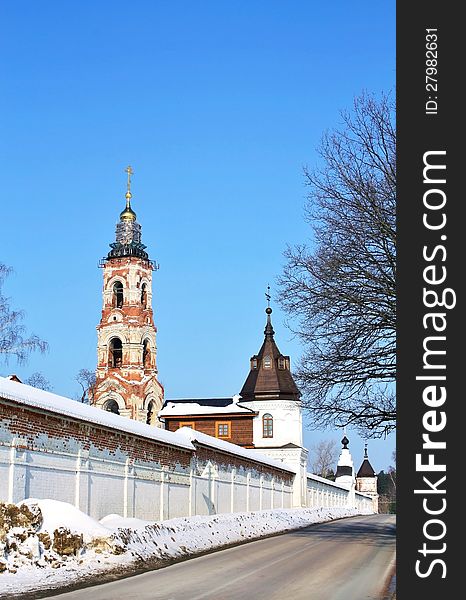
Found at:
(217, 106)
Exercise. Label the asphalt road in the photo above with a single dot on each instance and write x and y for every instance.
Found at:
(349, 559)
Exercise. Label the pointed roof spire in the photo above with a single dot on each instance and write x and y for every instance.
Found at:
(270, 369)
(366, 470)
(268, 331)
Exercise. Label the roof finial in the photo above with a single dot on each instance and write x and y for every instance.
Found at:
(365, 450)
(267, 296)
(268, 328)
(128, 214)
(129, 171)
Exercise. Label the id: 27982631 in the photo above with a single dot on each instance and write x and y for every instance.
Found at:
(431, 106)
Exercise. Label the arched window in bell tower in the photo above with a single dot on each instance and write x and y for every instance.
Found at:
(150, 412)
(146, 354)
(115, 353)
(144, 295)
(112, 406)
(118, 295)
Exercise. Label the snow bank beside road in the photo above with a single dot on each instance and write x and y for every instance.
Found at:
(60, 546)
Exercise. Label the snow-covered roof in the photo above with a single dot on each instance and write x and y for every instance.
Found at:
(206, 440)
(31, 396)
(178, 408)
(182, 438)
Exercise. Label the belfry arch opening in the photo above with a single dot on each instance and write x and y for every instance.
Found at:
(115, 353)
(117, 294)
(144, 295)
(150, 413)
(146, 354)
(112, 406)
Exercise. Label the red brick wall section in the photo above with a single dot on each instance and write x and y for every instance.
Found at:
(28, 423)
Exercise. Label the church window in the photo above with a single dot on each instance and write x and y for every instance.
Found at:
(254, 363)
(115, 354)
(144, 295)
(267, 362)
(150, 413)
(281, 363)
(118, 294)
(146, 354)
(112, 406)
(267, 426)
(223, 429)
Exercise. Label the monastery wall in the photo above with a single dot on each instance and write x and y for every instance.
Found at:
(54, 447)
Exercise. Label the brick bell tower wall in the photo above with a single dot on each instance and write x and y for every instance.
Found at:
(126, 375)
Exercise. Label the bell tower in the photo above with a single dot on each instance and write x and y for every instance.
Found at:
(126, 375)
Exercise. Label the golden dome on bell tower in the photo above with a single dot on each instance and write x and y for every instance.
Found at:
(128, 213)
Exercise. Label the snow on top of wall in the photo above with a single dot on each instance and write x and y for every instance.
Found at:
(206, 440)
(320, 479)
(26, 394)
(178, 409)
(183, 438)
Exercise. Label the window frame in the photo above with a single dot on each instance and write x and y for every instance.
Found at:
(219, 424)
(267, 358)
(112, 358)
(267, 431)
(116, 295)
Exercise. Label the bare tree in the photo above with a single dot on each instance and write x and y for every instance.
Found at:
(38, 380)
(323, 458)
(392, 472)
(13, 339)
(386, 486)
(86, 380)
(341, 291)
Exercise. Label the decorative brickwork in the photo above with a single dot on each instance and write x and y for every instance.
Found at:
(126, 376)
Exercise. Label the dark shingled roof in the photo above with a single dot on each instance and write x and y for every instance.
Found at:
(269, 380)
(343, 470)
(366, 469)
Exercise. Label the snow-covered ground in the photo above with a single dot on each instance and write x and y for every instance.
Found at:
(46, 544)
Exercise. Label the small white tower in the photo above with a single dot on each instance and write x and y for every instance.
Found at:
(272, 393)
(345, 466)
(366, 481)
